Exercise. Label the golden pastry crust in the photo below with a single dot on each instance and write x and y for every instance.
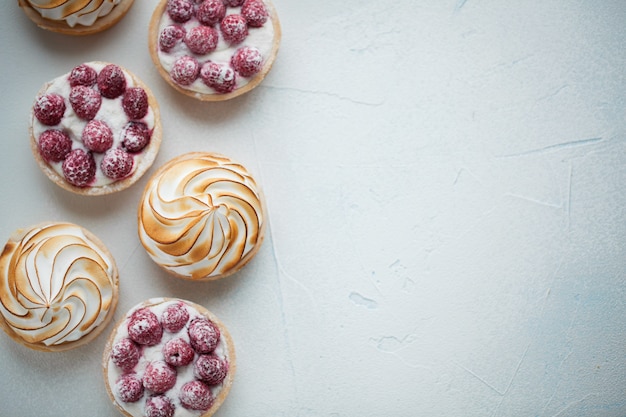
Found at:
(101, 24)
(148, 154)
(153, 46)
(204, 312)
(15, 239)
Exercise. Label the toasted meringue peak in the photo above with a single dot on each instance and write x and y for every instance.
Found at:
(81, 12)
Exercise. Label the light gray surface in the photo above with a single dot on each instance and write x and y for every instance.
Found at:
(445, 188)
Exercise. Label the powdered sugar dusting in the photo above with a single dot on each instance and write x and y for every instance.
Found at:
(89, 104)
(260, 37)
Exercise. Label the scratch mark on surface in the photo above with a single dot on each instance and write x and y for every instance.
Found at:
(554, 93)
(534, 200)
(570, 405)
(568, 208)
(505, 66)
(574, 315)
(460, 173)
(500, 392)
(517, 369)
(481, 379)
(558, 384)
(280, 269)
(132, 254)
(553, 279)
(510, 384)
(327, 94)
(555, 147)
(556, 389)
(459, 5)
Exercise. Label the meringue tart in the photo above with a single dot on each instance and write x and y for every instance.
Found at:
(201, 216)
(58, 286)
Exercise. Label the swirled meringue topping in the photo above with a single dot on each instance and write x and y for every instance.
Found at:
(201, 216)
(56, 284)
(82, 12)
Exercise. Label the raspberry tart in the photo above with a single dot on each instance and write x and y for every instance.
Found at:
(75, 17)
(169, 358)
(201, 216)
(95, 130)
(214, 50)
(59, 286)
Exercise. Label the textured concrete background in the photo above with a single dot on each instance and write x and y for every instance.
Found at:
(445, 188)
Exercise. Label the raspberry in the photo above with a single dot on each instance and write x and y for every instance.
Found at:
(117, 163)
(49, 109)
(79, 168)
(196, 395)
(125, 354)
(254, 12)
(185, 70)
(247, 61)
(234, 28)
(159, 406)
(85, 101)
(177, 352)
(210, 369)
(144, 327)
(175, 317)
(83, 75)
(201, 39)
(170, 36)
(129, 388)
(97, 136)
(54, 145)
(210, 12)
(135, 103)
(233, 3)
(204, 335)
(135, 136)
(111, 81)
(219, 77)
(179, 11)
(159, 377)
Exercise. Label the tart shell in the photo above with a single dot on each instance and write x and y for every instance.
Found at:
(148, 154)
(230, 348)
(153, 45)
